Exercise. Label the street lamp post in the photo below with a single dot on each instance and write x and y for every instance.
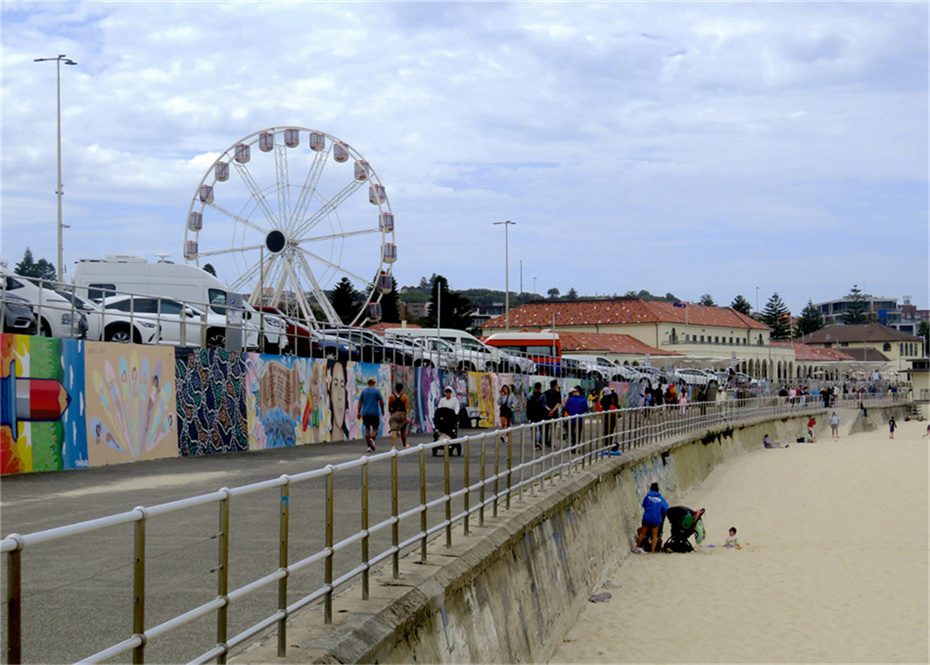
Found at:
(68, 61)
(506, 272)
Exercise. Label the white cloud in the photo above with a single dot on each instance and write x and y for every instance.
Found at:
(645, 136)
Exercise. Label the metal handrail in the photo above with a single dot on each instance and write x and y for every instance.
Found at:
(525, 474)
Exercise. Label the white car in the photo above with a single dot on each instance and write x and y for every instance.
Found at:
(145, 320)
(695, 377)
(589, 366)
(55, 316)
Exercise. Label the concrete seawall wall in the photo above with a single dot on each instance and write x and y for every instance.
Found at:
(510, 590)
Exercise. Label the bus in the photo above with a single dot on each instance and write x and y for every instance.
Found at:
(544, 349)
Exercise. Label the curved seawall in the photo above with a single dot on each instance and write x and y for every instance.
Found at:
(510, 590)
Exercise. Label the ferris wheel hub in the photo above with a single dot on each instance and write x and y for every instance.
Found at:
(275, 241)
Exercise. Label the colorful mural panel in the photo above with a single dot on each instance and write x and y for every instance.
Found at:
(131, 402)
(37, 389)
(211, 402)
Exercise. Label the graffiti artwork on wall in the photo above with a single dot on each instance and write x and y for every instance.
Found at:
(131, 402)
(41, 422)
(482, 391)
(211, 402)
(429, 392)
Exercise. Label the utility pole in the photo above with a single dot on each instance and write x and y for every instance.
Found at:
(506, 272)
(68, 61)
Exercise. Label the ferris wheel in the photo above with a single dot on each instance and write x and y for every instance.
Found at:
(288, 221)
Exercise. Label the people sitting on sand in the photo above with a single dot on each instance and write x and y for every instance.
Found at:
(768, 443)
(732, 540)
(811, 436)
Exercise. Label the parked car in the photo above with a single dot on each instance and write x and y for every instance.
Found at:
(425, 355)
(146, 320)
(471, 355)
(632, 374)
(373, 347)
(695, 377)
(271, 326)
(18, 317)
(595, 367)
(300, 338)
(335, 348)
(91, 311)
(55, 317)
(515, 362)
(654, 375)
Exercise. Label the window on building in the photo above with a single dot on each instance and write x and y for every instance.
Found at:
(886, 346)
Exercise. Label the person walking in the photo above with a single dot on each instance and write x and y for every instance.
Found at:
(835, 425)
(506, 402)
(553, 404)
(399, 410)
(536, 411)
(575, 406)
(609, 405)
(654, 508)
(892, 426)
(370, 410)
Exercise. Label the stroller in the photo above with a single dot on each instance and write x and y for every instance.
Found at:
(684, 523)
(446, 424)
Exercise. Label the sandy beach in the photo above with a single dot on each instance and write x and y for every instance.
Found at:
(833, 565)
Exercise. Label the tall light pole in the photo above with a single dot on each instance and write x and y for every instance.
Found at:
(68, 61)
(506, 272)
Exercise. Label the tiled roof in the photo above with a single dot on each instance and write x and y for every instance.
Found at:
(867, 354)
(621, 312)
(607, 343)
(805, 353)
(867, 332)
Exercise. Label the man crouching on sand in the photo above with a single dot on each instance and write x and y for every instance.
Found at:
(768, 443)
(654, 508)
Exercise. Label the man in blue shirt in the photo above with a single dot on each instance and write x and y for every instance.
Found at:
(370, 410)
(654, 508)
(576, 405)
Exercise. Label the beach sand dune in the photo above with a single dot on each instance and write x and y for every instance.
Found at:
(833, 566)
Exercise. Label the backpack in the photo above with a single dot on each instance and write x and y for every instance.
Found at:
(536, 407)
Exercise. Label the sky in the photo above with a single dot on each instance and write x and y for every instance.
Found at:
(691, 148)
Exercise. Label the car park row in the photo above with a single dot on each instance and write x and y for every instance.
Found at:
(55, 310)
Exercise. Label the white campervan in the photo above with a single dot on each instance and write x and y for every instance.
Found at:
(470, 353)
(120, 274)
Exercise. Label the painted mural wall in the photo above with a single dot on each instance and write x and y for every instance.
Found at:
(69, 404)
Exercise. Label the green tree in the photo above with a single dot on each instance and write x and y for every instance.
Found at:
(454, 309)
(41, 269)
(572, 294)
(777, 316)
(858, 309)
(707, 300)
(344, 299)
(741, 305)
(553, 293)
(390, 313)
(811, 320)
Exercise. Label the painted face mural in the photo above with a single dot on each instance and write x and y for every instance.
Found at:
(336, 386)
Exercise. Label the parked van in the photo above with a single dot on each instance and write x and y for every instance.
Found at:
(470, 354)
(121, 274)
(544, 349)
